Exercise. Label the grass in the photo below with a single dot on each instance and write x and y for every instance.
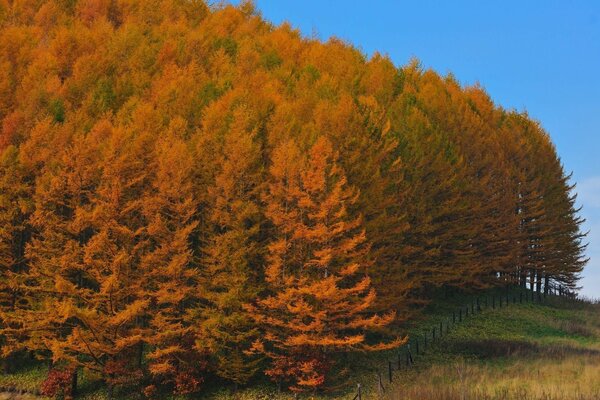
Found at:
(539, 377)
(558, 332)
(524, 351)
(26, 379)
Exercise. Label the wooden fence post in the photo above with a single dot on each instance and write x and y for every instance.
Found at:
(74, 382)
(358, 392)
(390, 370)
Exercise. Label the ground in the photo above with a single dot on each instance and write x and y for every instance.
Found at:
(523, 350)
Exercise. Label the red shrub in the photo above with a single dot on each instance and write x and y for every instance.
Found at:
(58, 382)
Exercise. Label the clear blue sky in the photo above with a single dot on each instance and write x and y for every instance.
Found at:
(539, 56)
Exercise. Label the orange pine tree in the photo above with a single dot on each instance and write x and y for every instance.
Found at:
(169, 275)
(230, 277)
(15, 208)
(319, 291)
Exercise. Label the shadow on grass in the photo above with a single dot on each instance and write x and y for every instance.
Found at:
(486, 349)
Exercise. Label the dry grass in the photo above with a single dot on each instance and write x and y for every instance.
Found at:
(573, 377)
(546, 353)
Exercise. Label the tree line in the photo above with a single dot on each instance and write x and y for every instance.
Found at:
(189, 194)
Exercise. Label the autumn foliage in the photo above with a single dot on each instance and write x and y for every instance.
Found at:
(189, 194)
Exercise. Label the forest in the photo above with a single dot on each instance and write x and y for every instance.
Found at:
(190, 194)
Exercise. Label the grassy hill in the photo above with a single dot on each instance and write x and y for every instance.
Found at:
(523, 351)
(548, 350)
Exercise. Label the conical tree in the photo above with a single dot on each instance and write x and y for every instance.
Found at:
(83, 259)
(15, 209)
(230, 273)
(170, 277)
(319, 292)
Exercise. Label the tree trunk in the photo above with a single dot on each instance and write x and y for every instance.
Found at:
(74, 383)
(532, 279)
(523, 279)
(140, 354)
(5, 365)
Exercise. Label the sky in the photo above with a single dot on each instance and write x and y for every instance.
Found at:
(542, 57)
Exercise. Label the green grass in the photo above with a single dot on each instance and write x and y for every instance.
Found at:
(27, 379)
(524, 351)
(493, 337)
(494, 342)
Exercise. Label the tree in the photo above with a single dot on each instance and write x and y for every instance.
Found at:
(230, 275)
(158, 213)
(169, 276)
(83, 278)
(319, 293)
(15, 208)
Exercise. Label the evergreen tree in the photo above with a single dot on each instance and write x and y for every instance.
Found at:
(319, 293)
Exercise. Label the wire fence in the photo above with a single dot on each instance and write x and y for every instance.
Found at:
(417, 344)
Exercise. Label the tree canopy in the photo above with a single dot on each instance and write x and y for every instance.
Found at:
(188, 192)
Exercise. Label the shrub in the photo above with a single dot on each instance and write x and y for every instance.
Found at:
(58, 383)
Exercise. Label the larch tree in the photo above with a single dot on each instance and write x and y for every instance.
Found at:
(230, 273)
(83, 258)
(178, 180)
(15, 209)
(170, 277)
(319, 293)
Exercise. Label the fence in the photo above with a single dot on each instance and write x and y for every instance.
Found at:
(420, 343)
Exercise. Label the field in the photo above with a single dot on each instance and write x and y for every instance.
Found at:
(549, 351)
(531, 351)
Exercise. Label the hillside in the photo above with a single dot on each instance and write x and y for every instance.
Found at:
(530, 351)
(536, 351)
(523, 351)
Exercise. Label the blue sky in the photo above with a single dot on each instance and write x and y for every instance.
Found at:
(538, 56)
